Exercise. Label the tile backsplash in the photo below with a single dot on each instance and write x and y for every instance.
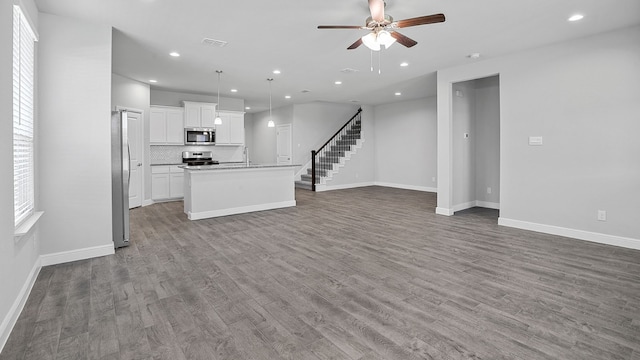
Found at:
(172, 154)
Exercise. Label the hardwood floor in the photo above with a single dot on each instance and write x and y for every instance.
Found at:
(368, 273)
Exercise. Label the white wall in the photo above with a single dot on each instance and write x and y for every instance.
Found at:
(464, 164)
(75, 128)
(18, 261)
(487, 139)
(311, 125)
(264, 137)
(405, 144)
(133, 94)
(476, 159)
(582, 97)
(174, 98)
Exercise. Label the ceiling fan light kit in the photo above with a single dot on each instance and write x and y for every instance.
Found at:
(382, 28)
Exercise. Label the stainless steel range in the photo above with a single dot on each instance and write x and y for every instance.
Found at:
(196, 158)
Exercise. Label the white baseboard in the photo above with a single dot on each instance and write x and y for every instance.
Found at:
(463, 206)
(406, 187)
(323, 187)
(239, 210)
(147, 202)
(572, 233)
(16, 308)
(75, 255)
(488, 205)
(476, 203)
(444, 211)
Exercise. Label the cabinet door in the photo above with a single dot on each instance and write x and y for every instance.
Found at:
(175, 127)
(207, 116)
(160, 186)
(236, 129)
(222, 130)
(192, 115)
(176, 185)
(157, 126)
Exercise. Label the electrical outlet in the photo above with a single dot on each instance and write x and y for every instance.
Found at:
(488, 190)
(602, 215)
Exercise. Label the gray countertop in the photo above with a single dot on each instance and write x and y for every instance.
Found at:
(234, 166)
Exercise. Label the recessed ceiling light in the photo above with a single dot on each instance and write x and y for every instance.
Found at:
(338, 82)
(576, 17)
(276, 71)
(474, 56)
(398, 93)
(153, 81)
(234, 90)
(174, 54)
(287, 96)
(247, 107)
(404, 64)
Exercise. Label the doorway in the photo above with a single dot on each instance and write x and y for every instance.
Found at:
(476, 143)
(284, 156)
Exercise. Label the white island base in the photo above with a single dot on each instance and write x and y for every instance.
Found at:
(213, 191)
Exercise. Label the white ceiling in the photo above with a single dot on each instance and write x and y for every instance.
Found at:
(278, 34)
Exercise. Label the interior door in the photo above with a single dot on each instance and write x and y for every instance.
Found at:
(135, 161)
(284, 144)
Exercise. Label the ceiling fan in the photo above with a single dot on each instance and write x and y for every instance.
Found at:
(383, 28)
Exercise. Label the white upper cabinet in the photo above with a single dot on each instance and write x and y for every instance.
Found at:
(231, 132)
(166, 125)
(199, 115)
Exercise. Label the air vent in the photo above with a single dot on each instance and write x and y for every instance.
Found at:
(214, 42)
(305, 91)
(349, 71)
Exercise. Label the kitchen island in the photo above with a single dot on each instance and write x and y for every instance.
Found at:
(227, 189)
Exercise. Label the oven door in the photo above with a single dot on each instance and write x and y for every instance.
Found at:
(199, 136)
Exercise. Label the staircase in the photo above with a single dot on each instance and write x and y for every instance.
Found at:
(326, 161)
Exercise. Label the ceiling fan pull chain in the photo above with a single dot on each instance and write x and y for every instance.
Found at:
(371, 60)
(379, 67)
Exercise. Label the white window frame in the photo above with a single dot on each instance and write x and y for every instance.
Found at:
(24, 59)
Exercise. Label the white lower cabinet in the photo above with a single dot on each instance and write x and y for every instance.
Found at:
(167, 182)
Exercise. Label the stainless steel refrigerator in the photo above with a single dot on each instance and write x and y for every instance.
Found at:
(120, 177)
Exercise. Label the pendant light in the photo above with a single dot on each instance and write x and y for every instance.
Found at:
(270, 123)
(218, 120)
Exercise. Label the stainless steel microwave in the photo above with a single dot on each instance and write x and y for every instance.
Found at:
(199, 136)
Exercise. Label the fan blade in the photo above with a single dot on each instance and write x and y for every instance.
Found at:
(377, 10)
(421, 20)
(355, 44)
(408, 42)
(339, 27)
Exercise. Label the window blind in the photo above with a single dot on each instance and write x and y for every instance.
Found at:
(23, 116)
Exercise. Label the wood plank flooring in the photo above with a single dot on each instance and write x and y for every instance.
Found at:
(367, 273)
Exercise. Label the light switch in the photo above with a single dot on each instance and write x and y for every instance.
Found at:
(535, 140)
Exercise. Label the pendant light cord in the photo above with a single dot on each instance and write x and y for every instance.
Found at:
(270, 116)
(218, 106)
